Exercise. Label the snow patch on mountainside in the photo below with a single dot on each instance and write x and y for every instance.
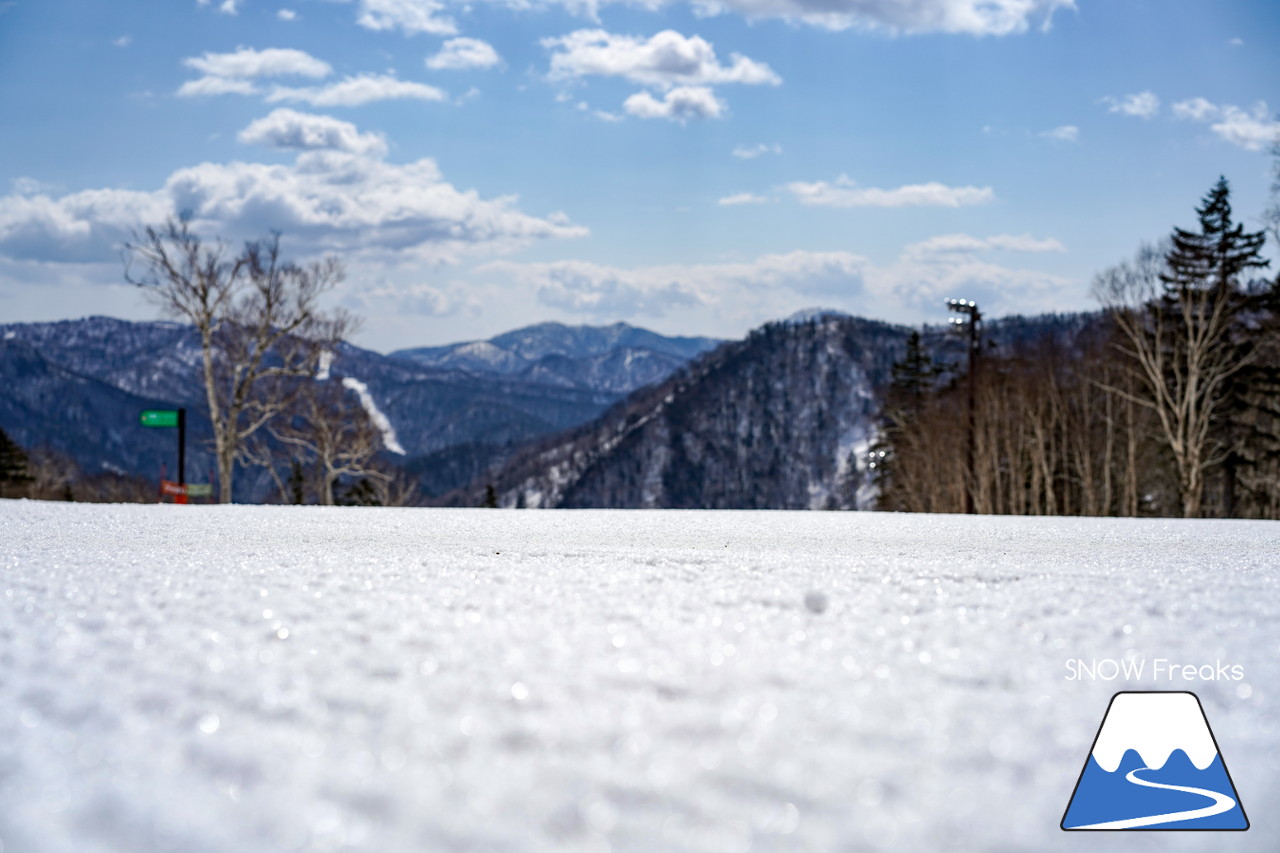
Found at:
(375, 414)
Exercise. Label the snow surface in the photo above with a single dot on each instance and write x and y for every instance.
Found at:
(1154, 725)
(277, 678)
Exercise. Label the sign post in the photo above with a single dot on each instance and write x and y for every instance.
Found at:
(165, 418)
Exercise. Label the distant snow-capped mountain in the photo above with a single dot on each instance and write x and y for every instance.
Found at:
(616, 359)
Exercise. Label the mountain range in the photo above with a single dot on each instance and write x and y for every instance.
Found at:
(546, 416)
(77, 386)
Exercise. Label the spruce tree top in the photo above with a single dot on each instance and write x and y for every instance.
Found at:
(1218, 255)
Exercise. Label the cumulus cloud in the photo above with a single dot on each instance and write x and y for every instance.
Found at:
(249, 63)
(845, 193)
(962, 244)
(288, 129)
(666, 60)
(79, 227)
(287, 15)
(741, 198)
(358, 90)
(1144, 105)
(327, 200)
(1252, 130)
(750, 152)
(679, 104)
(409, 16)
(1065, 133)
(463, 53)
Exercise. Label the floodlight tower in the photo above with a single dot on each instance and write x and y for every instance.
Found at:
(970, 316)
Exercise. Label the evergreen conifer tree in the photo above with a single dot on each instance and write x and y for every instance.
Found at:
(14, 477)
(1205, 280)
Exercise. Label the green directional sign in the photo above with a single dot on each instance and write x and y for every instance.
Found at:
(159, 417)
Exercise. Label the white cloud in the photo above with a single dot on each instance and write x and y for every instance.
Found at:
(1143, 105)
(915, 287)
(123, 41)
(327, 200)
(666, 60)
(741, 198)
(1195, 109)
(249, 63)
(1065, 133)
(608, 292)
(287, 15)
(226, 7)
(893, 17)
(462, 53)
(208, 86)
(962, 244)
(845, 193)
(679, 104)
(355, 91)
(288, 129)
(1251, 130)
(422, 299)
(1236, 42)
(410, 16)
(908, 17)
(750, 152)
(908, 289)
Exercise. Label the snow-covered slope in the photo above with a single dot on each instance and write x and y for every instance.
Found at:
(248, 679)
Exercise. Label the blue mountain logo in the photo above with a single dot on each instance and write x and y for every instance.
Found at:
(1155, 765)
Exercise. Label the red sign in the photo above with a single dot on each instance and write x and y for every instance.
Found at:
(176, 490)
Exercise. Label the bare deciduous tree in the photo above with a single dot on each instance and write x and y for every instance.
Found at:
(336, 436)
(258, 317)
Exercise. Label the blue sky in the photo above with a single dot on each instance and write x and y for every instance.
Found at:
(692, 167)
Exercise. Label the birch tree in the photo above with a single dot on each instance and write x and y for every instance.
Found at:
(258, 317)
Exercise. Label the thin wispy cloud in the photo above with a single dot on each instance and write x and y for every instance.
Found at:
(741, 198)
(248, 63)
(751, 152)
(843, 192)
(1065, 133)
(1144, 105)
(357, 91)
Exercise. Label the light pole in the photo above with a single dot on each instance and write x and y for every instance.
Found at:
(971, 317)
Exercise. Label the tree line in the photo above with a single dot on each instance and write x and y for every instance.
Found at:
(267, 344)
(1166, 402)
